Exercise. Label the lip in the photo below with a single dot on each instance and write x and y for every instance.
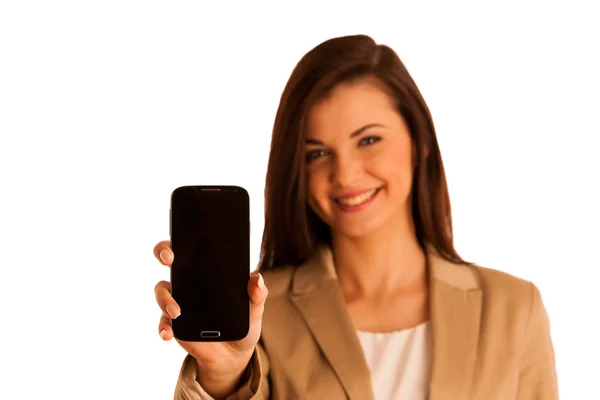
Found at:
(358, 207)
(354, 194)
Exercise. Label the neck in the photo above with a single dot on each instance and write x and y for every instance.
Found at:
(381, 264)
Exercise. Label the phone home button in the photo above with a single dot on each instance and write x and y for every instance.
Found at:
(210, 334)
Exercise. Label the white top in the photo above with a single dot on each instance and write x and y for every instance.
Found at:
(400, 362)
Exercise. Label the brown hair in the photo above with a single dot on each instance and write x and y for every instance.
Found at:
(292, 230)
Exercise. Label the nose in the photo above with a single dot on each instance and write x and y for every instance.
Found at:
(346, 171)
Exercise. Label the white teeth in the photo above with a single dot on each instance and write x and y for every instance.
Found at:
(355, 201)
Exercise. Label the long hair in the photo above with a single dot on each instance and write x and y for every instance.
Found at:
(292, 231)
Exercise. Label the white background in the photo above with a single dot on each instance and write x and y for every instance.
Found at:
(107, 106)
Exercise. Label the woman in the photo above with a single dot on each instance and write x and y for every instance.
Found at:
(368, 298)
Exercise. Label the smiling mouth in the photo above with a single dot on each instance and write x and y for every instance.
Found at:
(357, 200)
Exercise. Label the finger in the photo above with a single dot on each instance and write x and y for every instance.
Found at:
(258, 292)
(167, 304)
(164, 328)
(163, 252)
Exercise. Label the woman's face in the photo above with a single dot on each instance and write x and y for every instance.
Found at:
(359, 160)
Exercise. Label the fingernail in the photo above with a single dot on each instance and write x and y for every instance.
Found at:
(261, 282)
(173, 311)
(165, 256)
(163, 333)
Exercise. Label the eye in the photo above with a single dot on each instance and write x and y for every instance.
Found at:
(369, 140)
(314, 154)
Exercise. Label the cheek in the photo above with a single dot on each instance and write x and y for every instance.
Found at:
(396, 168)
(317, 186)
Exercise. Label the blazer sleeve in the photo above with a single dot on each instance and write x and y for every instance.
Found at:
(537, 374)
(255, 386)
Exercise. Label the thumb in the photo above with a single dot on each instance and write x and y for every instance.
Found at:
(258, 292)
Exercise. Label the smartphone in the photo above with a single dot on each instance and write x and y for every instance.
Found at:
(210, 239)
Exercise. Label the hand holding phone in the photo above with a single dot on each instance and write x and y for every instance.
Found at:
(220, 361)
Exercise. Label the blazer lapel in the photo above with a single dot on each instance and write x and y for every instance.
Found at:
(455, 308)
(316, 294)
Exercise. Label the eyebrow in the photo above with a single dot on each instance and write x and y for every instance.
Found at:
(352, 135)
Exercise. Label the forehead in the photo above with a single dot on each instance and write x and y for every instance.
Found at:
(349, 106)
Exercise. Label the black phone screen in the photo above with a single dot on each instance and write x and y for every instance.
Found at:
(210, 239)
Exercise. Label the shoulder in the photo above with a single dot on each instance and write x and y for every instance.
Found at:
(494, 285)
(505, 296)
(499, 284)
(498, 281)
(278, 280)
(287, 279)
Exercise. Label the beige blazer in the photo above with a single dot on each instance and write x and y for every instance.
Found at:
(491, 339)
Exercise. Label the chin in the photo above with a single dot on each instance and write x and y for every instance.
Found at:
(357, 231)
